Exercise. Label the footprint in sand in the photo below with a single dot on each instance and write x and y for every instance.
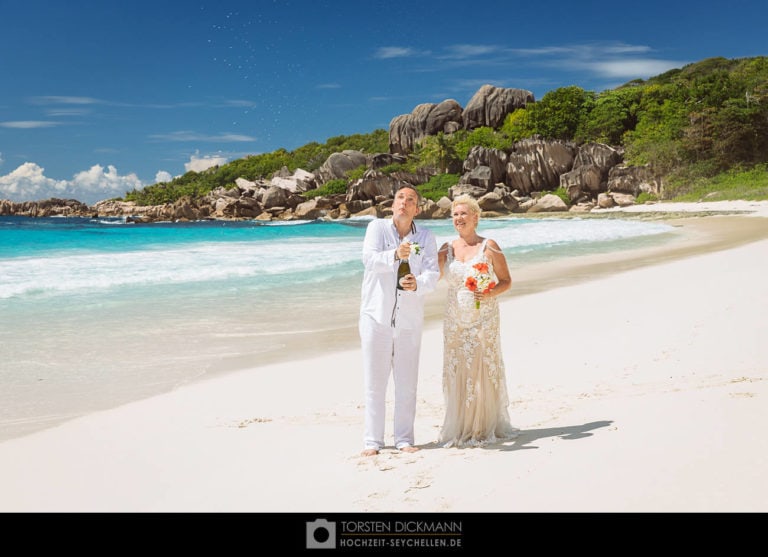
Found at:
(368, 462)
(246, 423)
(743, 379)
(421, 481)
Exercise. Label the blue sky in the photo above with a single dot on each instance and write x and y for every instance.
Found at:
(101, 97)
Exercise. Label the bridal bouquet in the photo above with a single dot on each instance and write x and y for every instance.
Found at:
(479, 279)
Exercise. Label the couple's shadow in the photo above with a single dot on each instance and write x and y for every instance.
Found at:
(526, 437)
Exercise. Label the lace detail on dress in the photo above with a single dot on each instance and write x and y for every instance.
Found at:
(474, 384)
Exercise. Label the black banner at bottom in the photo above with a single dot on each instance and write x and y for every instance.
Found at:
(356, 533)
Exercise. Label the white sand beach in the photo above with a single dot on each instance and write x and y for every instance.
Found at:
(639, 383)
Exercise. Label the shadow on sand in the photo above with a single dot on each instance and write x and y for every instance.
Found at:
(526, 437)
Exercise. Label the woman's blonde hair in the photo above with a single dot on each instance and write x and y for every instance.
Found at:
(469, 201)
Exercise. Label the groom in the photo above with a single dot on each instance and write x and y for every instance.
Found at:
(391, 319)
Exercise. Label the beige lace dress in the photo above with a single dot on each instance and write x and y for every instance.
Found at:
(474, 385)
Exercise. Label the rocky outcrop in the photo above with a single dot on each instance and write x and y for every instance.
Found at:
(298, 182)
(380, 160)
(52, 207)
(114, 208)
(600, 155)
(338, 164)
(590, 171)
(547, 204)
(374, 185)
(465, 188)
(490, 106)
(536, 165)
(502, 183)
(499, 201)
(406, 130)
(633, 180)
(582, 182)
(491, 162)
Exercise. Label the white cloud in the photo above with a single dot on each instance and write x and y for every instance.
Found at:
(232, 137)
(198, 164)
(239, 103)
(67, 112)
(615, 61)
(595, 49)
(60, 99)
(28, 124)
(470, 50)
(94, 184)
(604, 59)
(623, 48)
(29, 183)
(163, 176)
(393, 52)
(630, 69)
(194, 136)
(542, 51)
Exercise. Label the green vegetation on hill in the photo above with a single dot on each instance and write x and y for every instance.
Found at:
(703, 126)
(438, 186)
(736, 183)
(308, 157)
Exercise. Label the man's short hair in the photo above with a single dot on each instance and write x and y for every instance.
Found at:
(404, 185)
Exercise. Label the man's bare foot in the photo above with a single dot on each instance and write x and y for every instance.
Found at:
(369, 452)
(409, 449)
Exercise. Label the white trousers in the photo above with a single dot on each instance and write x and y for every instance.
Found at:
(388, 350)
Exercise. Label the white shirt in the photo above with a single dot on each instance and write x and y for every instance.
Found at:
(380, 297)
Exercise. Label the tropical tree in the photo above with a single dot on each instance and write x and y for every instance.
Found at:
(438, 151)
(657, 139)
(518, 125)
(610, 115)
(559, 113)
(482, 137)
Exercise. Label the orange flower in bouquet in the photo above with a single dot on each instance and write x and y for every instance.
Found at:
(480, 279)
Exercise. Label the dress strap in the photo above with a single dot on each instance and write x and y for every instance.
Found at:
(481, 251)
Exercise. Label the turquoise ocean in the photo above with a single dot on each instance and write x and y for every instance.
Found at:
(95, 313)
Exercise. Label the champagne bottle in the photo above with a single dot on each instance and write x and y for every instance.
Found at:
(402, 270)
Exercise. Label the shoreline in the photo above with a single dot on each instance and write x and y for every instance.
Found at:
(696, 231)
(638, 380)
(196, 347)
(699, 232)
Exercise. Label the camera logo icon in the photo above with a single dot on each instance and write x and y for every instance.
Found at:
(321, 534)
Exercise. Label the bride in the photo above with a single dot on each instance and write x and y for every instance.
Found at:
(474, 384)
